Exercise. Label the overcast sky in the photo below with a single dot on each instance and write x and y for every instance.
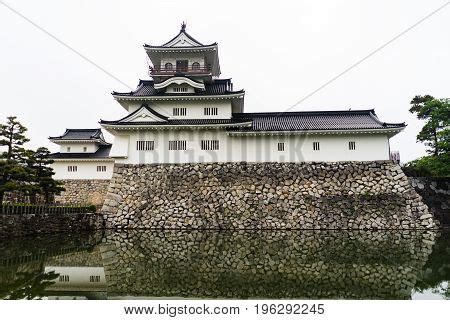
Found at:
(278, 51)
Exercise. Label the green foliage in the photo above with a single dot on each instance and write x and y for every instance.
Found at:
(429, 166)
(24, 170)
(13, 138)
(28, 286)
(436, 136)
(436, 131)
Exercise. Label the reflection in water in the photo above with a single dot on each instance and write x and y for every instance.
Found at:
(263, 264)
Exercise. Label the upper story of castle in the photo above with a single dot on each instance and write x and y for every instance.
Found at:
(183, 56)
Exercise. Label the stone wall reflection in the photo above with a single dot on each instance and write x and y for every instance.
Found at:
(272, 264)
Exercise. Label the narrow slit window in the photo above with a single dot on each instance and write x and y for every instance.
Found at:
(94, 279)
(351, 145)
(316, 146)
(179, 111)
(72, 168)
(211, 111)
(64, 278)
(180, 89)
(177, 145)
(101, 168)
(84, 149)
(209, 144)
(142, 145)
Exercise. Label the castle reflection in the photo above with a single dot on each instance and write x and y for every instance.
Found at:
(207, 264)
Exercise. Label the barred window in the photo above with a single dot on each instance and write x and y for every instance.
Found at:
(211, 111)
(101, 168)
(145, 145)
(84, 149)
(351, 145)
(72, 168)
(209, 144)
(63, 278)
(180, 89)
(179, 111)
(316, 146)
(94, 279)
(177, 145)
(280, 146)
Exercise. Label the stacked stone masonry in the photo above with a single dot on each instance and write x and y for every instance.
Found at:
(343, 195)
(84, 192)
(30, 224)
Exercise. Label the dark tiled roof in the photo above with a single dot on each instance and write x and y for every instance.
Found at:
(180, 122)
(81, 134)
(182, 31)
(314, 120)
(146, 88)
(101, 153)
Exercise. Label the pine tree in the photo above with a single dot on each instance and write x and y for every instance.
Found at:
(12, 172)
(43, 172)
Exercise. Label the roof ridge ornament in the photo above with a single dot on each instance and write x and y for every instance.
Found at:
(183, 26)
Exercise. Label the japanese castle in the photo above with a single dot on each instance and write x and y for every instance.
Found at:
(188, 114)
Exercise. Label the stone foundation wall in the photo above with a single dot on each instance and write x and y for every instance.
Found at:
(23, 225)
(436, 195)
(344, 195)
(84, 192)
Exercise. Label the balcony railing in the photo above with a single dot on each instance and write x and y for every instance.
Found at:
(174, 70)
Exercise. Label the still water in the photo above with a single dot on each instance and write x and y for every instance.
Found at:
(205, 264)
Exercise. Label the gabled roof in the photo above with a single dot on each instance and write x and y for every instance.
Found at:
(146, 88)
(131, 115)
(181, 36)
(314, 121)
(165, 121)
(94, 135)
(101, 153)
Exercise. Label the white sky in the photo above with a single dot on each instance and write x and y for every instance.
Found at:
(278, 51)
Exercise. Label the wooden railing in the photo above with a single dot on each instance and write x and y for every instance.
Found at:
(27, 208)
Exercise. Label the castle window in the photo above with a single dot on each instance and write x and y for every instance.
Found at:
(280, 146)
(209, 144)
(145, 145)
(101, 168)
(211, 111)
(351, 145)
(72, 168)
(84, 149)
(316, 146)
(63, 278)
(168, 66)
(196, 66)
(68, 149)
(94, 279)
(180, 89)
(179, 111)
(177, 145)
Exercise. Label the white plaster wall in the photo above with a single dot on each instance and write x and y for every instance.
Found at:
(194, 109)
(79, 277)
(85, 170)
(78, 147)
(255, 149)
(120, 146)
(191, 57)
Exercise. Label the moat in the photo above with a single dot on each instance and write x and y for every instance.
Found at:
(233, 264)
